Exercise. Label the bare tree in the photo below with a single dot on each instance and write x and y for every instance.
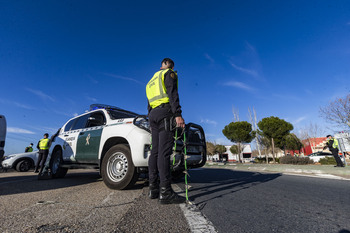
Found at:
(211, 149)
(310, 132)
(253, 121)
(337, 111)
(235, 114)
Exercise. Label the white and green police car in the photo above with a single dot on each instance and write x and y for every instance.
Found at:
(115, 141)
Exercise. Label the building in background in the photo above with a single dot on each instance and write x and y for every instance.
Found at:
(229, 157)
(312, 145)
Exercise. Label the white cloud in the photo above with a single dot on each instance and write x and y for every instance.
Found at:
(207, 121)
(9, 102)
(239, 85)
(244, 70)
(94, 81)
(18, 130)
(207, 135)
(250, 47)
(124, 78)
(209, 57)
(287, 97)
(92, 99)
(41, 94)
(300, 119)
(223, 141)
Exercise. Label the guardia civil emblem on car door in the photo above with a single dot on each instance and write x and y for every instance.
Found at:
(87, 140)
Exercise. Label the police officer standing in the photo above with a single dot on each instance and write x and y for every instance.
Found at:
(163, 104)
(43, 146)
(333, 145)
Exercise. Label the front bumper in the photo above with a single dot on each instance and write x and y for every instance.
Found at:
(5, 164)
(196, 149)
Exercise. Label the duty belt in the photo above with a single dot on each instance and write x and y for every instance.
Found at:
(163, 106)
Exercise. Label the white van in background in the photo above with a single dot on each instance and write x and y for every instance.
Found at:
(2, 135)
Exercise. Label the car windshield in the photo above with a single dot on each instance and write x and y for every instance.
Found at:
(120, 114)
(114, 112)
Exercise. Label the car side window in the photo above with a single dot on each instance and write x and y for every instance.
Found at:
(80, 122)
(69, 125)
(96, 119)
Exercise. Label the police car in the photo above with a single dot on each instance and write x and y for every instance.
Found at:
(117, 142)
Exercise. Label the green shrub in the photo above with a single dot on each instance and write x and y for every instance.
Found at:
(262, 160)
(288, 159)
(328, 161)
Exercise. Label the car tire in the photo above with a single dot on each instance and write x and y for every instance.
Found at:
(24, 165)
(57, 171)
(117, 168)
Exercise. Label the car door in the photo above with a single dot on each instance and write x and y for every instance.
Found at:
(71, 137)
(68, 136)
(89, 138)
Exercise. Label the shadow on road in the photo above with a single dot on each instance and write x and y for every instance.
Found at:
(212, 183)
(29, 183)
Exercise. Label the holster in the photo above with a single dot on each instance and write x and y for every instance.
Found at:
(169, 123)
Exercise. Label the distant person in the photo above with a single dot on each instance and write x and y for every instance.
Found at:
(43, 146)
(333, 145)
(29, 148)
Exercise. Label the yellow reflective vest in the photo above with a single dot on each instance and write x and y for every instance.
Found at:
(44, 144)
(335, 144)
(156, 91)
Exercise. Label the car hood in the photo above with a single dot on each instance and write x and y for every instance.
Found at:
(23, 154)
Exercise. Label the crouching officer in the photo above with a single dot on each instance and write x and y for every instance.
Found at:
(163, 104)
(333, 145)
(29, 148)
(43, 146)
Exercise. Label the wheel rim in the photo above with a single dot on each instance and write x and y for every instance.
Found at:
(117, 167)
(25, 166)
(56, 163)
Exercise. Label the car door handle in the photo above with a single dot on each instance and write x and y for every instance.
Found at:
(81, 133)
(66, 135)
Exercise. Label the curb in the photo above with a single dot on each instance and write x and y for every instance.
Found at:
(329, 171)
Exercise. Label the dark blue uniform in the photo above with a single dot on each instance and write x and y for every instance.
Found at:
(162, 139)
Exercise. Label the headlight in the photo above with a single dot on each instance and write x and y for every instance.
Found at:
(9, 157)
(142, 122)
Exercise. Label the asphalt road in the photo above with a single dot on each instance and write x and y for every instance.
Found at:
(233, 201)
(237, 201)
(81, 202)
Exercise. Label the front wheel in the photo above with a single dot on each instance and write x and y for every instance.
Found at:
(117, 168)
(23, 166)
(55, 165)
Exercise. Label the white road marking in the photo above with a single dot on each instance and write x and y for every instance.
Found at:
(196, 220)
(324, 176)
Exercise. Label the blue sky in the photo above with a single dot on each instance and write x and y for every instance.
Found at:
(284, 58)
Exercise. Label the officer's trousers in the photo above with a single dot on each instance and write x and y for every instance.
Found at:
(162, 145)
(41, 159)
(335, 153)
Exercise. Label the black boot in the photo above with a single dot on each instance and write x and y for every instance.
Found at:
(168, 196)
(153, 191)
